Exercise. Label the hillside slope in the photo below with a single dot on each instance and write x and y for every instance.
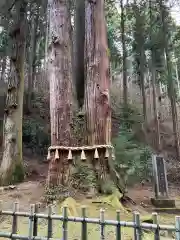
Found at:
(148, 135)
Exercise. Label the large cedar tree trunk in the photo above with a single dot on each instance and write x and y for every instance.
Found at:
(97, 100)
(59, 74)
(12, 165)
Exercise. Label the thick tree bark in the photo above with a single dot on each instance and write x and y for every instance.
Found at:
(97, 100)
(12, 165)
(59, 74)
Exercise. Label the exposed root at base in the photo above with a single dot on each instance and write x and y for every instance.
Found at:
(112, 200)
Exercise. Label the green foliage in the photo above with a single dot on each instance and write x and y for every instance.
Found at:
(83, 177)
(53, 193)
(135, 155)
(129, 151)
(35, 136)
(108, 187)
(129, 116)
(3, 42)
(113, 33)
(78, 127)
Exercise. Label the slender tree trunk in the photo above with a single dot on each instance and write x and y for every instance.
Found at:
(155, 110)
(46, 40)
(171, 86)
(59, 74)
(32, 56)
(12, 165)
(97, 99)
(125, 88)
(140, 41)
(177, 79)
(150, 94)
(153, 74)
(143, 91)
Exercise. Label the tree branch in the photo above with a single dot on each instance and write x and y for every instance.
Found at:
(9, 9)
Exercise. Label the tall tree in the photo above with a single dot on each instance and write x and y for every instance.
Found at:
(139, 47)
(32, 52)
(97, 99)
(33, 26)
(125, 90)
(12, 165)
(171, 85)
(153, 80)
(60, 79)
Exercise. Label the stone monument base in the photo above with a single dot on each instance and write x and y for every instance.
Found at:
(163, 203)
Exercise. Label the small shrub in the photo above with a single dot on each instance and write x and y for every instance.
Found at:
(83, 177)
(130, 116)
(128, 150)
(53, 193)
(133, 154)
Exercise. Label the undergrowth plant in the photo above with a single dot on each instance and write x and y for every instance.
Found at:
(129, 151)
(83, 177)
(35, 136)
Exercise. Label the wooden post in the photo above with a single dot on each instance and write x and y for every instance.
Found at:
(155, 221)
(31, 221)
(102, 225)
(65, 223)
(15, 218)
(35, 228)
(49, 234)
(84, 225)
(118, 228)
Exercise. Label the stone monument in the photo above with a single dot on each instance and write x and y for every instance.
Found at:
(161, 198)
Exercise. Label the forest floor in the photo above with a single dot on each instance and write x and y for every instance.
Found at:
(31, 191)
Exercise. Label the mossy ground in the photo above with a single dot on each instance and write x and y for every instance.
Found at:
(74, 229)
